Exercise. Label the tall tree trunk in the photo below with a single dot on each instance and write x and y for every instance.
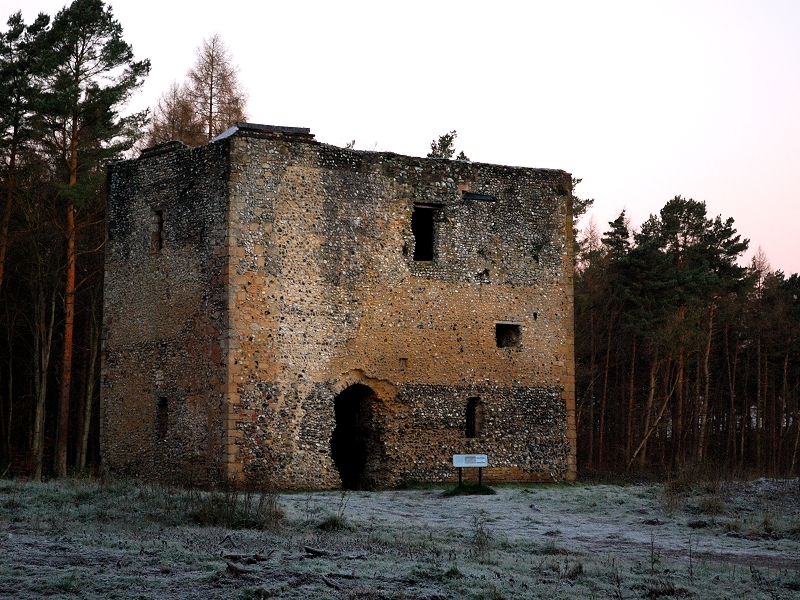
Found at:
(678, 433)
(650, 396)
(702, 441)
(731, 445)
(69, 316)
(796, 451)
(649, 431)
(211, 101)
(9, 414)
(784, 416)
(590, 391)
(603, 403)
(43, 342)
(629, 446)
(771, 408)
(6, 220)
(9, 422)
(746, 416)
(94, 343)
(9, 203)
(66, 363)
(10, 419)
(759, 422)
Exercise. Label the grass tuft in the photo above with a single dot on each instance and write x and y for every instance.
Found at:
(335, 523)
(663, 588)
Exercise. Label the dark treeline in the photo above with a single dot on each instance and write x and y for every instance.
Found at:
(63, 82)
(683, 357)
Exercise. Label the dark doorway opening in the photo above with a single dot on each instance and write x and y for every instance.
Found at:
(422, 226)
(352, 442)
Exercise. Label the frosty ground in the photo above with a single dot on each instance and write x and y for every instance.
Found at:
(83, 539)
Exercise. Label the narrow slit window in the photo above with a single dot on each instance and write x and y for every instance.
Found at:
(423, 227)
(474, 418)
(473, 196)
(508, 335)
(157, 231)
(162, 418)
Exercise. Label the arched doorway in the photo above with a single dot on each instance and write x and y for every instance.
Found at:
(353, 439)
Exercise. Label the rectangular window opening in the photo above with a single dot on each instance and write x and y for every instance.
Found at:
(474, 418)
(508, 335)
(423, 221)
(162, 418)
(473, 196)
(157, 231)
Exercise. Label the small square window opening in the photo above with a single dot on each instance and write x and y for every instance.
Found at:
(508, 335)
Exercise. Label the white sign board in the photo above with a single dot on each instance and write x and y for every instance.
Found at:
(470, 460)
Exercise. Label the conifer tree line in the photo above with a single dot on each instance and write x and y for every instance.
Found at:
(683, 357)
(65, 83)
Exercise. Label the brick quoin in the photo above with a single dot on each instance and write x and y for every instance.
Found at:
(278, 311)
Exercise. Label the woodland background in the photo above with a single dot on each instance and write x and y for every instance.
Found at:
(684, 358)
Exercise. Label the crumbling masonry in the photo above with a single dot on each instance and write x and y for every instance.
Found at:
(281, 309)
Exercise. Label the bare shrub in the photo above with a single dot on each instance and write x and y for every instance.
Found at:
(337, 521)
(712, 505)
(663, 588)
(574, 571)
(481, 542)
(223, 506)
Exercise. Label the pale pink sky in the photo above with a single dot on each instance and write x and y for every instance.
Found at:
(643, 100)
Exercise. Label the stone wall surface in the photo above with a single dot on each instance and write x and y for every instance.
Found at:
(288, 276)
(325, 294)
(164, 315)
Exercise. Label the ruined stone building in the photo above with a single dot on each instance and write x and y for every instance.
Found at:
(322, 317)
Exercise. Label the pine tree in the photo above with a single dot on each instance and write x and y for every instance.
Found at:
(91, 75)
(444, 147)
(19, 73)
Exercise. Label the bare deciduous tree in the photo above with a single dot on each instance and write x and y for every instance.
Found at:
(174, 118)
(214, 89)
(210, 101)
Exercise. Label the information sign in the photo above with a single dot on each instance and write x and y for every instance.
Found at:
(470, 460)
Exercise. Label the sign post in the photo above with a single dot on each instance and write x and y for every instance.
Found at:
(470, 460)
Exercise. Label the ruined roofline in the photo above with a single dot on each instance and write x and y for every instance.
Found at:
(244, 128)
(255, 128)
(304, 134)
(388, 154)
(241, 126)
(162, 149)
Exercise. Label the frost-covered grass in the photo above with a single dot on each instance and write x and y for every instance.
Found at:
(79, 538)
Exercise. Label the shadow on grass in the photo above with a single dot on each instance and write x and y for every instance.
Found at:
(469, 488)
